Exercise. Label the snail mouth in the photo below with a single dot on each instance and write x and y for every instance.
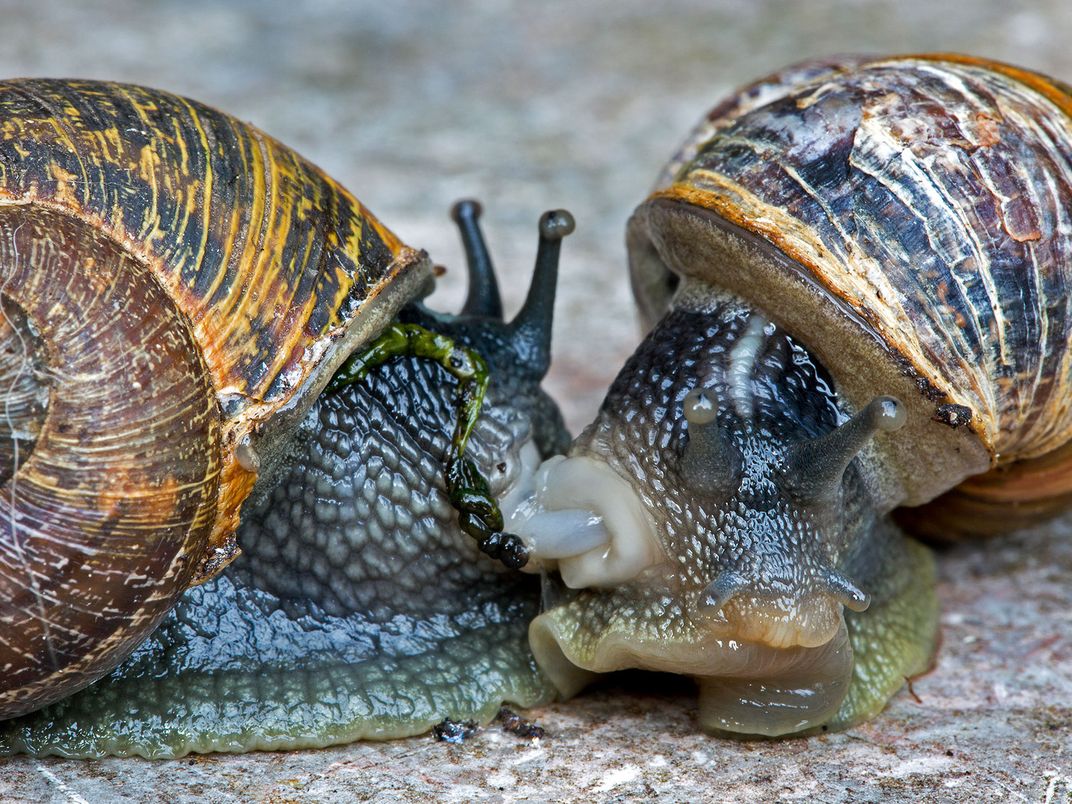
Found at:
(583, 520)
(745, 687)
(810, 623)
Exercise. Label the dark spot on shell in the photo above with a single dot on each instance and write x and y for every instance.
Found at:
(928, 390)
(218, 558)
(953, 415)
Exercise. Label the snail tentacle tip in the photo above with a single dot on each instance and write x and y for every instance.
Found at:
(887, 413)
(720, 591)
(466, 209)
(845, 591)
(556, 224)
(700, 406)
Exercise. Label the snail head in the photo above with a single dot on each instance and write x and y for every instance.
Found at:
(706, 524)
(518, 351)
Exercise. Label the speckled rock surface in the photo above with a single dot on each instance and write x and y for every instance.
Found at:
(527, 106)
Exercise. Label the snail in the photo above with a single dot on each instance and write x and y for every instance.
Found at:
(200, 327)
(854, 273)
(852, 277)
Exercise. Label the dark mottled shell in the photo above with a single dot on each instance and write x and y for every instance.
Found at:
(911, 220)
(175, 286)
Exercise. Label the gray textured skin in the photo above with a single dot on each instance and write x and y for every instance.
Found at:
(358, 608)
(360, 521)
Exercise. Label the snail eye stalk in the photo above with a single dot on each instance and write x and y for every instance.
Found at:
(483, 299)
(814, 468)
(530, 331)
(710, 463)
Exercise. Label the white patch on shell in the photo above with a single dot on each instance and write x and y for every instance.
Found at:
(247, 455)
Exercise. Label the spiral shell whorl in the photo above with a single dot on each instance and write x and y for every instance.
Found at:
(279, 270)
(188, 285)
(919, 206)
(104, 517)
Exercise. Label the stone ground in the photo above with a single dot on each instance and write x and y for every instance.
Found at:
(414, 104)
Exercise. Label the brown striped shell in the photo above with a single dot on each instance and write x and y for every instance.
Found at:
(910, 219)
(175, 288)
